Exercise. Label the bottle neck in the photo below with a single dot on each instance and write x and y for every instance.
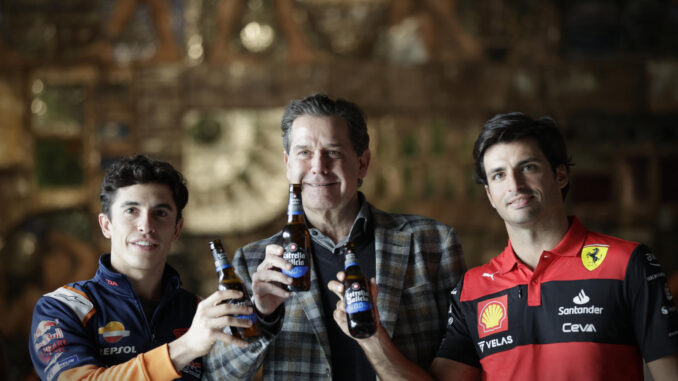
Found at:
(295, 209)
(350, 260)
(221, 263)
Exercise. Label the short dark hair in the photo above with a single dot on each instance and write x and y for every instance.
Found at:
(506, 128)
(140, 169)
(322, 105)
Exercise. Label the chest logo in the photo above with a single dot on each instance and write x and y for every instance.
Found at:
(593, 256)
(113, 332)
(492, 316)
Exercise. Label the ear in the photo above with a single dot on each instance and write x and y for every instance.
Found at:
(105, 225)
(489, 196)
(364, 163)
(177, 229)
(562, 177)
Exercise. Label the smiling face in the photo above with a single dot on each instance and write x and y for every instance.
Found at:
(142, 226)
(323, 160)
(521, 185)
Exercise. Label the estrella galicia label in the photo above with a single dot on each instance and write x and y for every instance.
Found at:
(358, 307)
(252, 317)
(357, 299)
(296, 256)
(296, 271)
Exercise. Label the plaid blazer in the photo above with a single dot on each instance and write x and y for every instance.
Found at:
(418, 262)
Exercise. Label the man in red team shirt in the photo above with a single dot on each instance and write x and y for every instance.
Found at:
(560, 302)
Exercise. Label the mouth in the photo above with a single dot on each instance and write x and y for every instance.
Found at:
(520, 201)
(145, 245)
(320, 185)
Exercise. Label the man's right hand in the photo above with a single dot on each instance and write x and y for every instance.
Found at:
(266, 281)
(211, 317)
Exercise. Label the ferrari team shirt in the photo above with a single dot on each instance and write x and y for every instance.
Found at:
(592, 309)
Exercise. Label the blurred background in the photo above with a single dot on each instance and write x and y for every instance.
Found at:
(203, 83)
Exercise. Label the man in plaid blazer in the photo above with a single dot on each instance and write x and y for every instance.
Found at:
(416, 262)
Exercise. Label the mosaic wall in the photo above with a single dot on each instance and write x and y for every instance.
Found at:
(202, 83)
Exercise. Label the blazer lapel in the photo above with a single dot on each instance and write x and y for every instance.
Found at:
(392, 249)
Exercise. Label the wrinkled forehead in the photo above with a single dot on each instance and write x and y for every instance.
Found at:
(323, 130)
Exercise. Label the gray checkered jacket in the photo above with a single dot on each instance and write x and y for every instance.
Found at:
(418, 262)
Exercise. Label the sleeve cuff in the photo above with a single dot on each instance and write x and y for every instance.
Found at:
(158, 364)
(272, 323)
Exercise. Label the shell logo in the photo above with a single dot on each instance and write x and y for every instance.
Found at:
(113, 331)
(492, 316)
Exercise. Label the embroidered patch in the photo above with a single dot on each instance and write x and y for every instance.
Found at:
(593, 256)
(492, 316)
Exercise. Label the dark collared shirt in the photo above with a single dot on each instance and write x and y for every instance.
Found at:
(348, 359)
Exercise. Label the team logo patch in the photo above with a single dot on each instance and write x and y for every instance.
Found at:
(492, 316)
(113, 332)
(593, 256)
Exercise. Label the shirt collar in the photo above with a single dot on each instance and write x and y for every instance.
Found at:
(360, 226)
(120, 284)
(569, 246)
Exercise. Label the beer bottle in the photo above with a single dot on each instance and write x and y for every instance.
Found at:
(228, 280)
(357, 298)
(297, 243)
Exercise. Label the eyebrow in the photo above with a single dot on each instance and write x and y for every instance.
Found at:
(331, 145)
(135, 203)
(520, 163)
(529, 160)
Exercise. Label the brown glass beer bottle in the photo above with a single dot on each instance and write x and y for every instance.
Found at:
(228, 280)
(357, 297)
(297, 243)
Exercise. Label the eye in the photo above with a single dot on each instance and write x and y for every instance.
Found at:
(529, 167)
(497, 176)
(334, 154)
(130, 210)
(161, 213)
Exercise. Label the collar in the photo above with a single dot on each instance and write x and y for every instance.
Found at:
(362, 220)
(119, 284)
(569, 246)
(360, 226)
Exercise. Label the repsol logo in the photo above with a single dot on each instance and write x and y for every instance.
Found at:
(495, 343)
(110, 351)
(575, 328)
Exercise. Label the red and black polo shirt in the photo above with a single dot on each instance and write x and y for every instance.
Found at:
(593, 307)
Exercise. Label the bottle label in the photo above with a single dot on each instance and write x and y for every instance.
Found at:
(246, 302)
(220, 261)
(297, 257)
(350, 260)
(357, 299)
(295, 207)
(252, 317)
(221, 266)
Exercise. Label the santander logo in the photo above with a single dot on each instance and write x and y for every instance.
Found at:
(581, 298)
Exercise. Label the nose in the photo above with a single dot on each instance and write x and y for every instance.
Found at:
(319, 163)
(145, 223)
(516, 181)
